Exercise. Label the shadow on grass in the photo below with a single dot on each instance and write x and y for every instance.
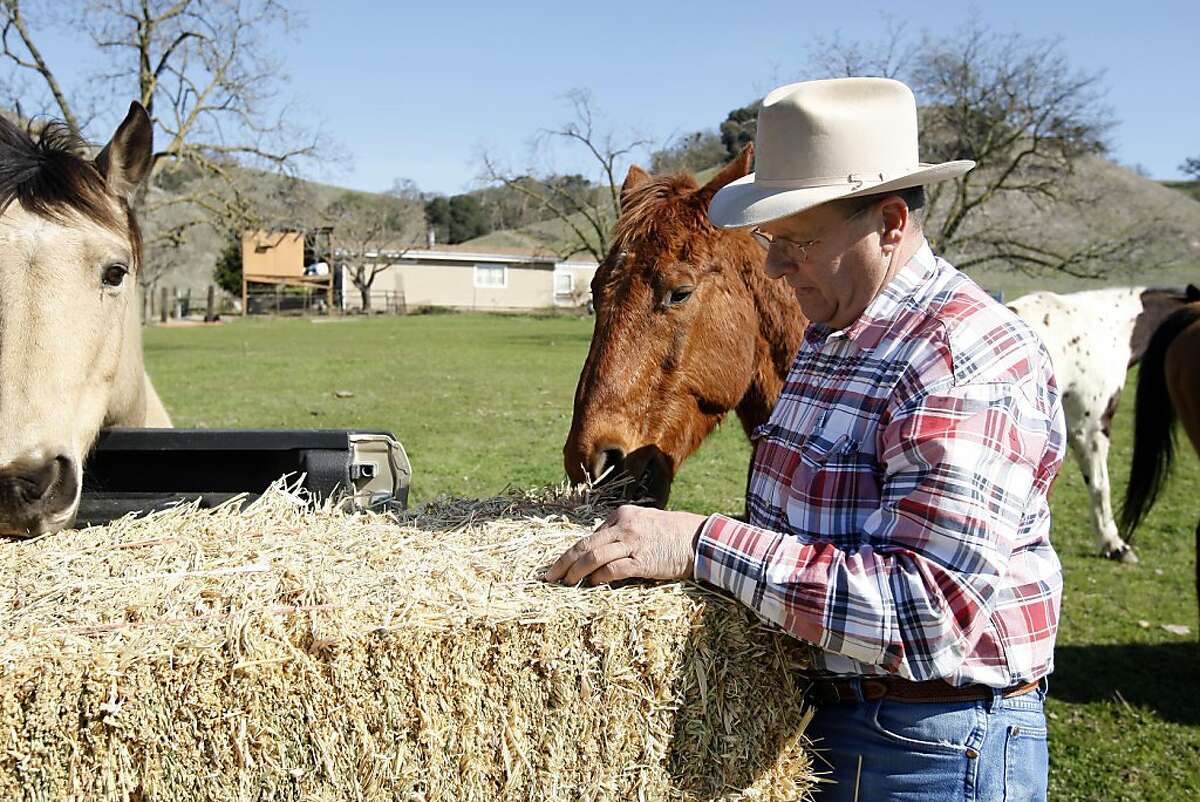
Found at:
(1161, 677)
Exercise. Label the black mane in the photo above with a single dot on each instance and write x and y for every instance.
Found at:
(50, 176)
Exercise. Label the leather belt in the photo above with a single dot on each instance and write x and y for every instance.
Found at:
(843, 691)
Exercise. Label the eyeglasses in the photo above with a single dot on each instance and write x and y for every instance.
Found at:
(796, 249)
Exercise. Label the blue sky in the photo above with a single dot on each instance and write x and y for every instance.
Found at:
(416, 90)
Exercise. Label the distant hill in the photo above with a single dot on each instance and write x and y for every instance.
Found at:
(1190, 188)
(1173, 257)
(549, 236)
(283, 201)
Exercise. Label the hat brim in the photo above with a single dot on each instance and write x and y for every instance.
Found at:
(741, 203)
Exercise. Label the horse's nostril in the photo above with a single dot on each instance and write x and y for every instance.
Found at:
(654, 482)
(44, 482)
(33, 484)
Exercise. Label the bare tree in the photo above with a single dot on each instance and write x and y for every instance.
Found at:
(374, 232)
(20, 51)
(696, 151)
(586, 206)
(202, 69)
(889, 57)
(1031, 123)
(507, 208)
(1191, 167)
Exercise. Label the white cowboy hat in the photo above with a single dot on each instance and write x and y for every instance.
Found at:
(819, 141)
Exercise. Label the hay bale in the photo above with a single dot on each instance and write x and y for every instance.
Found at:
(286, 653)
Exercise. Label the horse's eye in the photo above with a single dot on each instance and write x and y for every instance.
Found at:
(680, 294)
(114, 275)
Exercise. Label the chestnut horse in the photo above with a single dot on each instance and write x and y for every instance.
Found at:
(70, 330)
(1168, 389)
(688, 328)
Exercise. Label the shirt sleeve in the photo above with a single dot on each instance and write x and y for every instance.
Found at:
(960, 469)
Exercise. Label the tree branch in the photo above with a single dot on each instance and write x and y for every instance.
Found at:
(13, 20)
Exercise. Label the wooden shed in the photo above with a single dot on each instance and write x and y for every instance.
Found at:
(278, 258)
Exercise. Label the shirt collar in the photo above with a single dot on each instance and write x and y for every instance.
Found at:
(879, 316)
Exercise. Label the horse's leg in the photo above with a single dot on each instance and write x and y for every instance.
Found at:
(1198, 566)
(1090, 445)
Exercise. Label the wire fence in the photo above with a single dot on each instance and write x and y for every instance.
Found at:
(163, 303)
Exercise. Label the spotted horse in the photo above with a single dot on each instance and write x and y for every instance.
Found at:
(1094, 337)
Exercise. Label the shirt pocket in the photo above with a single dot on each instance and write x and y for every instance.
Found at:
(834, 488)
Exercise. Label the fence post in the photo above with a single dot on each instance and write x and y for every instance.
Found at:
(210, 313)
(162, 306)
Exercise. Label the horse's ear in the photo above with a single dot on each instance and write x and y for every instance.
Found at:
(1192, 293)
(125, 160)
(738, 168)
(633, 179)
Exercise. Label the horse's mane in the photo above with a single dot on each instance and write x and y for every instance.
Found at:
(651, 209)
(50, 176)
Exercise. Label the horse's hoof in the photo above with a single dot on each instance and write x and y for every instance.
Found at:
(1125, 554)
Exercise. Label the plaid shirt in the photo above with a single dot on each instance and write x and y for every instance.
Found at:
(897, 502)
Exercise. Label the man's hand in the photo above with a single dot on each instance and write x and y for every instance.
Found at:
(635, 542)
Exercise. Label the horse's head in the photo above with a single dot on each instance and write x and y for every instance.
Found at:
(677, 341)
(1158, 303)
(69, 255)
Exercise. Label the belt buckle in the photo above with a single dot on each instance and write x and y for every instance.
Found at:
(825, 692)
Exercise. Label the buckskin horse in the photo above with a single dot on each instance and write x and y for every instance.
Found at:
(1168, 390)
(70, 333)
(688, 328)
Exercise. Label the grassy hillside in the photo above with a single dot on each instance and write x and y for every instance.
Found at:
(550, 236)
(1123, 200)
(281, 201)
(1121, 196)
(1189, 188)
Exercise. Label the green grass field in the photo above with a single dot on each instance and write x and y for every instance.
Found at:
(484, 402)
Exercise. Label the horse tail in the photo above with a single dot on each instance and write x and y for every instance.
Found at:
(1154, 423)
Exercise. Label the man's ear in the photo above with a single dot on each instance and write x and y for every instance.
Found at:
(125, 161)
(896, 219)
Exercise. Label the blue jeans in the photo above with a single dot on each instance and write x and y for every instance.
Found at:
(889, 750)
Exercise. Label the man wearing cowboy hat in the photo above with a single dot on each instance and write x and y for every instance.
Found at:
(897, 513)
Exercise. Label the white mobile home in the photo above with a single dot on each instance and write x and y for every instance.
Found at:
(453, 277)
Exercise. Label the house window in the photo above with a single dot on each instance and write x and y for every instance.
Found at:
(564, 283)
(491, 276)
